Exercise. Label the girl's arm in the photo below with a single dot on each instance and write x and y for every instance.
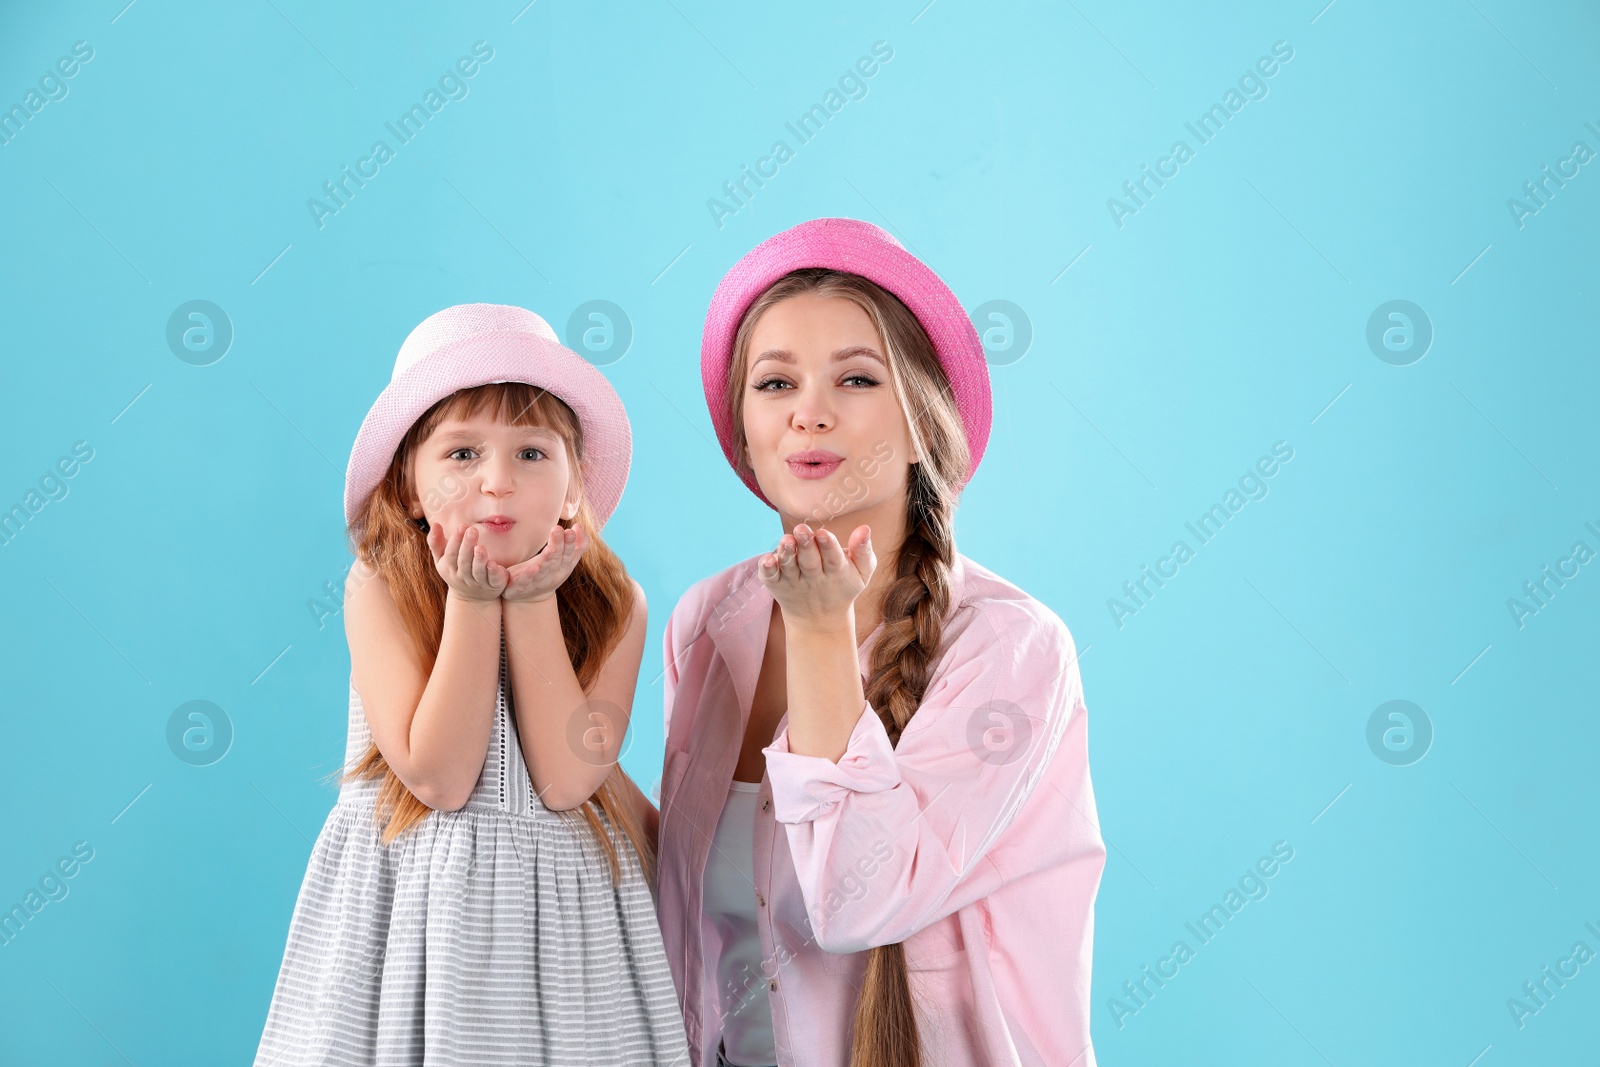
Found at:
(433, 729)
(570, 739)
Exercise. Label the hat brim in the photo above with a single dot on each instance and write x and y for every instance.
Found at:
(859, 248)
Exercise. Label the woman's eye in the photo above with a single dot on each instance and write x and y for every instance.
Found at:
(869, 382)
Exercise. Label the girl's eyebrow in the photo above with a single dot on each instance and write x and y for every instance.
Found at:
(468, 435)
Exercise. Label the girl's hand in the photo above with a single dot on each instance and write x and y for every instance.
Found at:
(538, 577)
(815, 579)
(464, 564)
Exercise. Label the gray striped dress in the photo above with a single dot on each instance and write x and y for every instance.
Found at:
(489, 935)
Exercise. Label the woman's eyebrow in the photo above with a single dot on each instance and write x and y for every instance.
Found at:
(783, 355)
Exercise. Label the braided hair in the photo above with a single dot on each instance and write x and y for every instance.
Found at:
(916, 601)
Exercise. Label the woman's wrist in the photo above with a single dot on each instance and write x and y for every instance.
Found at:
(823, 627)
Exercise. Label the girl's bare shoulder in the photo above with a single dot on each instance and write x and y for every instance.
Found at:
(369, 605)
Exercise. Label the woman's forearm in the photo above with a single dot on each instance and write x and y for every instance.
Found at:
(825, 691)
(450, 730)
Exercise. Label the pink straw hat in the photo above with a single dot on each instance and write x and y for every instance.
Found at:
(859, 248)
(478, 344)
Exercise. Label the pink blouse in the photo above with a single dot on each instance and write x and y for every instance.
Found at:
(976, 841)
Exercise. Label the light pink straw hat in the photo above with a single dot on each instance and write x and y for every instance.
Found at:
(477, 344)
(864, 249)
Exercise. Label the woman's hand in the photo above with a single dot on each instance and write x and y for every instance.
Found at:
(814, 578)
(538, 577)
(464, 564)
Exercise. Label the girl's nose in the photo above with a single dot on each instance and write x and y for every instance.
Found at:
(495, 473)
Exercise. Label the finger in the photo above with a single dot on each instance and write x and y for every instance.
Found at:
(569, 550)
(480, 560)
(787, 566)
(767, 569)
(833, 558)
(862, 556)
(553, 543)
(808, 556)
(449, 550)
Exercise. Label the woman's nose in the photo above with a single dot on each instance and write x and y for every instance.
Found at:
(812, 413)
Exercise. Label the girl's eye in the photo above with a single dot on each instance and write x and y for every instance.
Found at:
(538, 451)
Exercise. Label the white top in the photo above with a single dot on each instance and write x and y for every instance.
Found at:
(730, 903)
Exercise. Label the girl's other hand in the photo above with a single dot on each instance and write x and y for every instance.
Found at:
(464, 564)
(538, 577)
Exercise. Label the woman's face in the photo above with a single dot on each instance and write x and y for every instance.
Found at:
(817, 388)
(468, 473)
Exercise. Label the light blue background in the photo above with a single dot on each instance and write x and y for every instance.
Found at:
(1229, 313)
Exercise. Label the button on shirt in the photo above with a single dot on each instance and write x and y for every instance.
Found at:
(732, 904)
(975, 842)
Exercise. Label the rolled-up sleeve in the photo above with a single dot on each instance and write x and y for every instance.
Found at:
(892, 838)
(805, 788)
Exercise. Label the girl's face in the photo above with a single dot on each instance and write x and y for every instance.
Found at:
(470, 473)
(817, 388)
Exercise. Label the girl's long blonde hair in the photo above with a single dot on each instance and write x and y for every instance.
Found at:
(915, 603)
(594, 603)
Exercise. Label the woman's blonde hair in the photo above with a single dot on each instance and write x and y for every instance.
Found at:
(594, 603)
(916, 601)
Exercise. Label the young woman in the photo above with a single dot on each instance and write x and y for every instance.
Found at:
(480, 892)
(878, 837)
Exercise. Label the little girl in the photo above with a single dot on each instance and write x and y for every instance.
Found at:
(482, 891)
